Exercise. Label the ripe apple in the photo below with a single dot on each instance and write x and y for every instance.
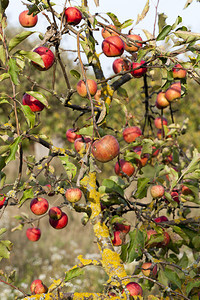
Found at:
(59, 224)
(157, 191)
(39, 205)
(106, 32)
(73, 195)
(138, 72)
(161, 100)
(161, 219)
(184, 190)
(55, 213)
(27, 20)
(120, 64)
(160, 122)
(142, 161)
(82, 90)
(122, 227)
(73, 15)
(71, 135)
(49, 190)
(173, 92)
(113, 46)
(37, 287)
(33, 234)
(105, 149)
(2, 200)
(175, 196)
(134, 46)
(155, 151)
(131, 133)
(47, 57)
(97, 96)
(125, 167)
(149, 270)
(166, 241)
(118, 238)
(33, 103)
(134, 289)
(82, 144)
(179, 72)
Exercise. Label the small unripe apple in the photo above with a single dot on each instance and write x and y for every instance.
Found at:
(59, 224)
(82, 90)
(138, 72)
(71, 135)
(120, 64)
(133, 46)
(27, 20)
(105, 149)
(124, 166)
(73, 15)
(47, 57)
(179, 72)
(33, 234)
(160, 122)
(148, 270)
(131, 133)
(37, 287)
(157, 191)
(39, 206)
(73, 195)
(161, 219)
(142, 161)
(2, 200)
(82, 144)
(34, 104)
(161, 100)
(55, 213)
(122, 227)
(134, 289)
(173, 92)
(113, 46)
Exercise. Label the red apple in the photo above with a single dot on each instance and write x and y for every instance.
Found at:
(33, 234)
(122, 227)
(82, 144)
(37, 287)
(160, 122)
(134, 289)
(59, 224)
(138, 72)
(113, 46)
(73, 15)
(157, 191)
(55, 213)
(106, 32)
(161, 100)
(131, 133)
(105, 149)
(133, 46)
(82, 90)
(161, 219)
(118, 238)
(73, 194)
(33, 103)
(27, 20)
(155, 151)
(175, 196)
(47, 57)
(2, 200)
(166, 241)
(150, 233)
(179, 72)
(142, 161)
(71, 135)
(149, 270)
(184, 190)
(120, 64)
(125, 167)
(39, 205)
(173, 92)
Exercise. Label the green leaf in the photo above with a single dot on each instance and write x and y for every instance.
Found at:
(5, 248)
(191, 285)
(144, 13)
(194, 164)
(142, 186)
(126, 23)
(73, 273)
(2, 54)
(13, 149)
(166, 30)
(87, 130)
(39, 96)
(13, 70)
(187, 36)
(27, 194)
(178, 21)
(112, 186)
(2, 231)
(137, 241)
(183, 261)
(75, 73)
(70, 168)
(18, 39)
(182, 234)
(33, 56)
(29, 115)
(4, 76)
(122, 93)
(114, 19)
(4, 149)
(161, 21)
(2, 162)
(196, 242)
(173, 277)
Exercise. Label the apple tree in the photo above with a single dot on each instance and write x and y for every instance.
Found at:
(147, 211)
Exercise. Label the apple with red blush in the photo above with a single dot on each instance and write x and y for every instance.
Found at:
(122, 166)
(149, 270)
(82, 89)
(134, 289)
(120, 65)
(33, 234)
(173, 92)
(113, 46)
(38, 287)
(73, 15)
(82, 144)
(106, 32)
(105, 149)
(39, 206)
(160, 122)
(60, 223)
(179, 72)
(73, 195)
(27, 20)
(47, 57)
(138, 72)
(34, 104)
(125, 228)
(161, 100)
(131, 133)
(118, 238)
(55, 213)
(133, 46)
(2, 200)
(71, 135)
(161, 219)
(143, 158)
(157, 191)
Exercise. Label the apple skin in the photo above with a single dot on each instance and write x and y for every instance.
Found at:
(161, 219)
(82, 90)
(134, 289)
(113, 46)
(178, 72)
(175, 196)
(109, 32)
(73, 15)
(34, 104)
(39, 206)
(125, 167)
(166, 241)
(173, 92)
(105, 149)
(131, 133)
(160, 122)
(122, 227)
(142, 161)
(26, 20)
(118, 238)
(155, 151)
(71, 135)
(33, 234)
(55, 213)
(120, 65)
(157, 191)
(37, 287)
(161, 100)
(82, 144)
(162, 244)
(73, 195)
(184, 190)
(151, 232)
(139, 72)
(61, 223)
(136, 46)
(47, 57)
(2, 201)
(147, 271)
